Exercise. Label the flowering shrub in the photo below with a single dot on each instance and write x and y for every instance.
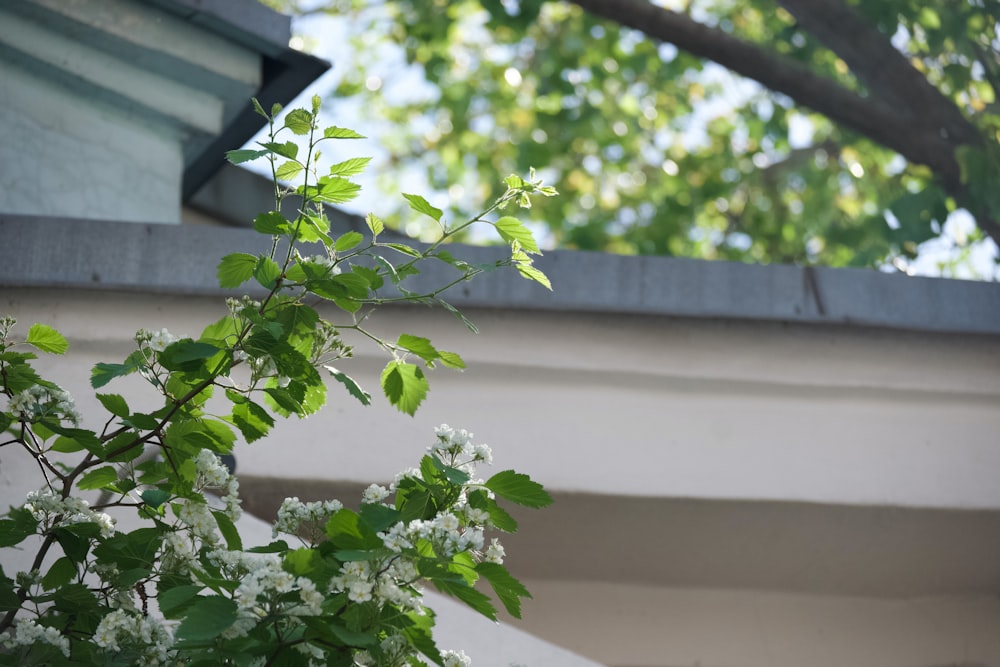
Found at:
(181, 589)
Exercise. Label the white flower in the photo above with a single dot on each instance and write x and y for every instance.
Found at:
(198, 517)
(50, 508)
(447, 522)
(121, 629)
(494, 553)
(375, 494)
(456, 659)
(483, 453)
(477, 516)
(396, 538)
(159, 341)
(28, 633)
(212, 473)
(293, 513)
(37, 401)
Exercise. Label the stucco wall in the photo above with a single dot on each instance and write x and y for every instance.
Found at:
(728, 492)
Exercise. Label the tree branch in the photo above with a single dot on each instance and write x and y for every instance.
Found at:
(888, 123)
(885, 71)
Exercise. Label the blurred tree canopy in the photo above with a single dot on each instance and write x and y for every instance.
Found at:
(828, 132)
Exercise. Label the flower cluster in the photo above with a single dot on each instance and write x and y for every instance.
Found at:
(212, 473)
(157, 341)
(455, 448)
(123, 631)
(390, 583)
(265, 589)
(294, 515)
(197, 517)
(29, 633)
(455, 659)
(38, 402)
(444, 532)
(51, 509)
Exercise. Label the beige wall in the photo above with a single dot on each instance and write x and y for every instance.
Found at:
(727, 493)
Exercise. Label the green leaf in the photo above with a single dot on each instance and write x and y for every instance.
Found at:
(114, 404)
(404, 385)
(418, 632)
(508, 589)
(374, 223)
(346, 531)
(498, 515)
(155, 497)
(276, 547)
(206, 618)
(341, 133)
(405, 249)
(186, 355)
(252, 420)
(419, 346)
(518, 488)
(284, 399)
(451, 359)
(173, 601)
(267, 272)
(286, 171)
(460, 315)
(219, 333)
(137, 549)
(258, 109)
(336, 190)
(17, 528)
(416, 505)
(228, 530)
(75, 599)
(302, 561)
(531, 273)
(370, 276)
(470, 596)
(314, 228)
(352, 637)
(354, 165)
(511, 229)
(378, 517)
(103, 373)
(98, 478)
(314, 398)
(60, 573)
(244, 155)
(235, 269)
(73, 440)
(8, 596)
(142, 421)
(421, 205)
(348, 241)
(299, 121)
(353, 387)
(289, 149)
(46, 339)
(271, 223)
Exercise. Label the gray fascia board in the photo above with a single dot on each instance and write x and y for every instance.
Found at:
(181, 259)
(285, 71)
(247, 22)
(284, 77)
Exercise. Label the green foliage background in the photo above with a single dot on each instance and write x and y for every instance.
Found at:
(655, 150)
